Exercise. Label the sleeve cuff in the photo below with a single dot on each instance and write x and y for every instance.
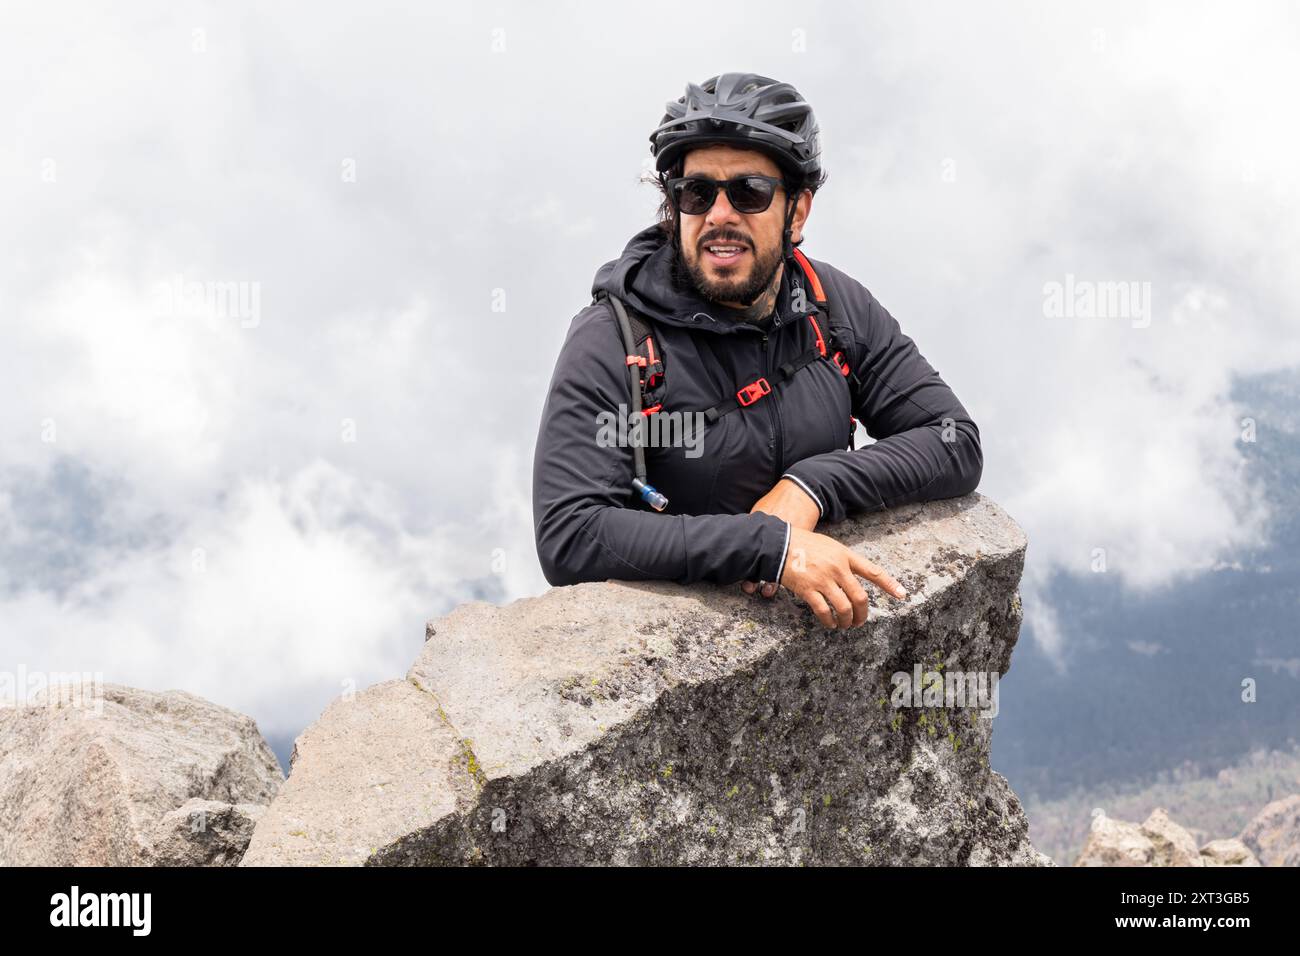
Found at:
(785, 549)
(821, 509)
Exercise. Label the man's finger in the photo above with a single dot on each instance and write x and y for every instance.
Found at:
(857, 594)
(841, 603)
(821, 610)
(876, 575)
(769, 590)
(748, 586)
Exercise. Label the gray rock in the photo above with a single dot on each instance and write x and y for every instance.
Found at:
(118, 780)
(1227, 853)
(204, 833)
(1159, 841)
(377, 766)
(1274, 834)
(1114, 842)
(1171, 843)
(636, 723)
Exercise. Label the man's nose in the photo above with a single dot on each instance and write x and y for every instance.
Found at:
(721, 211)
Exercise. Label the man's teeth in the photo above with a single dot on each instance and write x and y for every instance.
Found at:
(725, 250)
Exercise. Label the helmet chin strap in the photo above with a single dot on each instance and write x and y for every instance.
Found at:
(787, 243)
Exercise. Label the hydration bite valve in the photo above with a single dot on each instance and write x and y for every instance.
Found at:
(648, 494)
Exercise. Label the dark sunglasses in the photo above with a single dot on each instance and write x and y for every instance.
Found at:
(695, 195)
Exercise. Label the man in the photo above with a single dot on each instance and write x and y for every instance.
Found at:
(731, 311)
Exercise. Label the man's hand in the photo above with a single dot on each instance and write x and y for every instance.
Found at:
(791, 503)
(824, 574)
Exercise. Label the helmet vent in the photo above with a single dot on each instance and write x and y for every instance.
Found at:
(746, 110)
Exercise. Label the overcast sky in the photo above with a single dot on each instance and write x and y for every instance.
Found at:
(263, 503)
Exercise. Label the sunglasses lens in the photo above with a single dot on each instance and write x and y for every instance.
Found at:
(695, 196)
(751, 194)
(747, 194)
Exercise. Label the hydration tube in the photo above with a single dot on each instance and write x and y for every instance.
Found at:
(643, 488)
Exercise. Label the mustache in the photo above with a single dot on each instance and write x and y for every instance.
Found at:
(718, 240)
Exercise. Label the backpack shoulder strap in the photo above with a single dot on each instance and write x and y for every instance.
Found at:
(642, 366)
(642, 350)
(839, 351)
(839, 331)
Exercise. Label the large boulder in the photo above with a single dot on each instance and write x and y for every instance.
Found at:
(121, 777)
(1274, 834)
(625, 723)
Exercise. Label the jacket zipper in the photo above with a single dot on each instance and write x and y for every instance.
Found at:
(776, 418)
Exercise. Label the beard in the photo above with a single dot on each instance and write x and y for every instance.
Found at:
(745, 289)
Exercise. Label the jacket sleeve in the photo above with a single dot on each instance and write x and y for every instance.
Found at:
(588, 522)
(927, 445)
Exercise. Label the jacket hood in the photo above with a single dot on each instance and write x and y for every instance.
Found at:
(644, 278)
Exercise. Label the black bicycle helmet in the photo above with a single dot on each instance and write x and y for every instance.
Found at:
(745, 110)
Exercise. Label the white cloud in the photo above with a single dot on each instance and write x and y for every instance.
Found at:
(1110, 144)
(291, 589)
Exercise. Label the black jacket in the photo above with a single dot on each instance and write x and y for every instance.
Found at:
(589, 524)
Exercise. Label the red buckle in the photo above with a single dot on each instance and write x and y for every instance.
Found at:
(753, 392)
(636, 360)
(839, 359)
